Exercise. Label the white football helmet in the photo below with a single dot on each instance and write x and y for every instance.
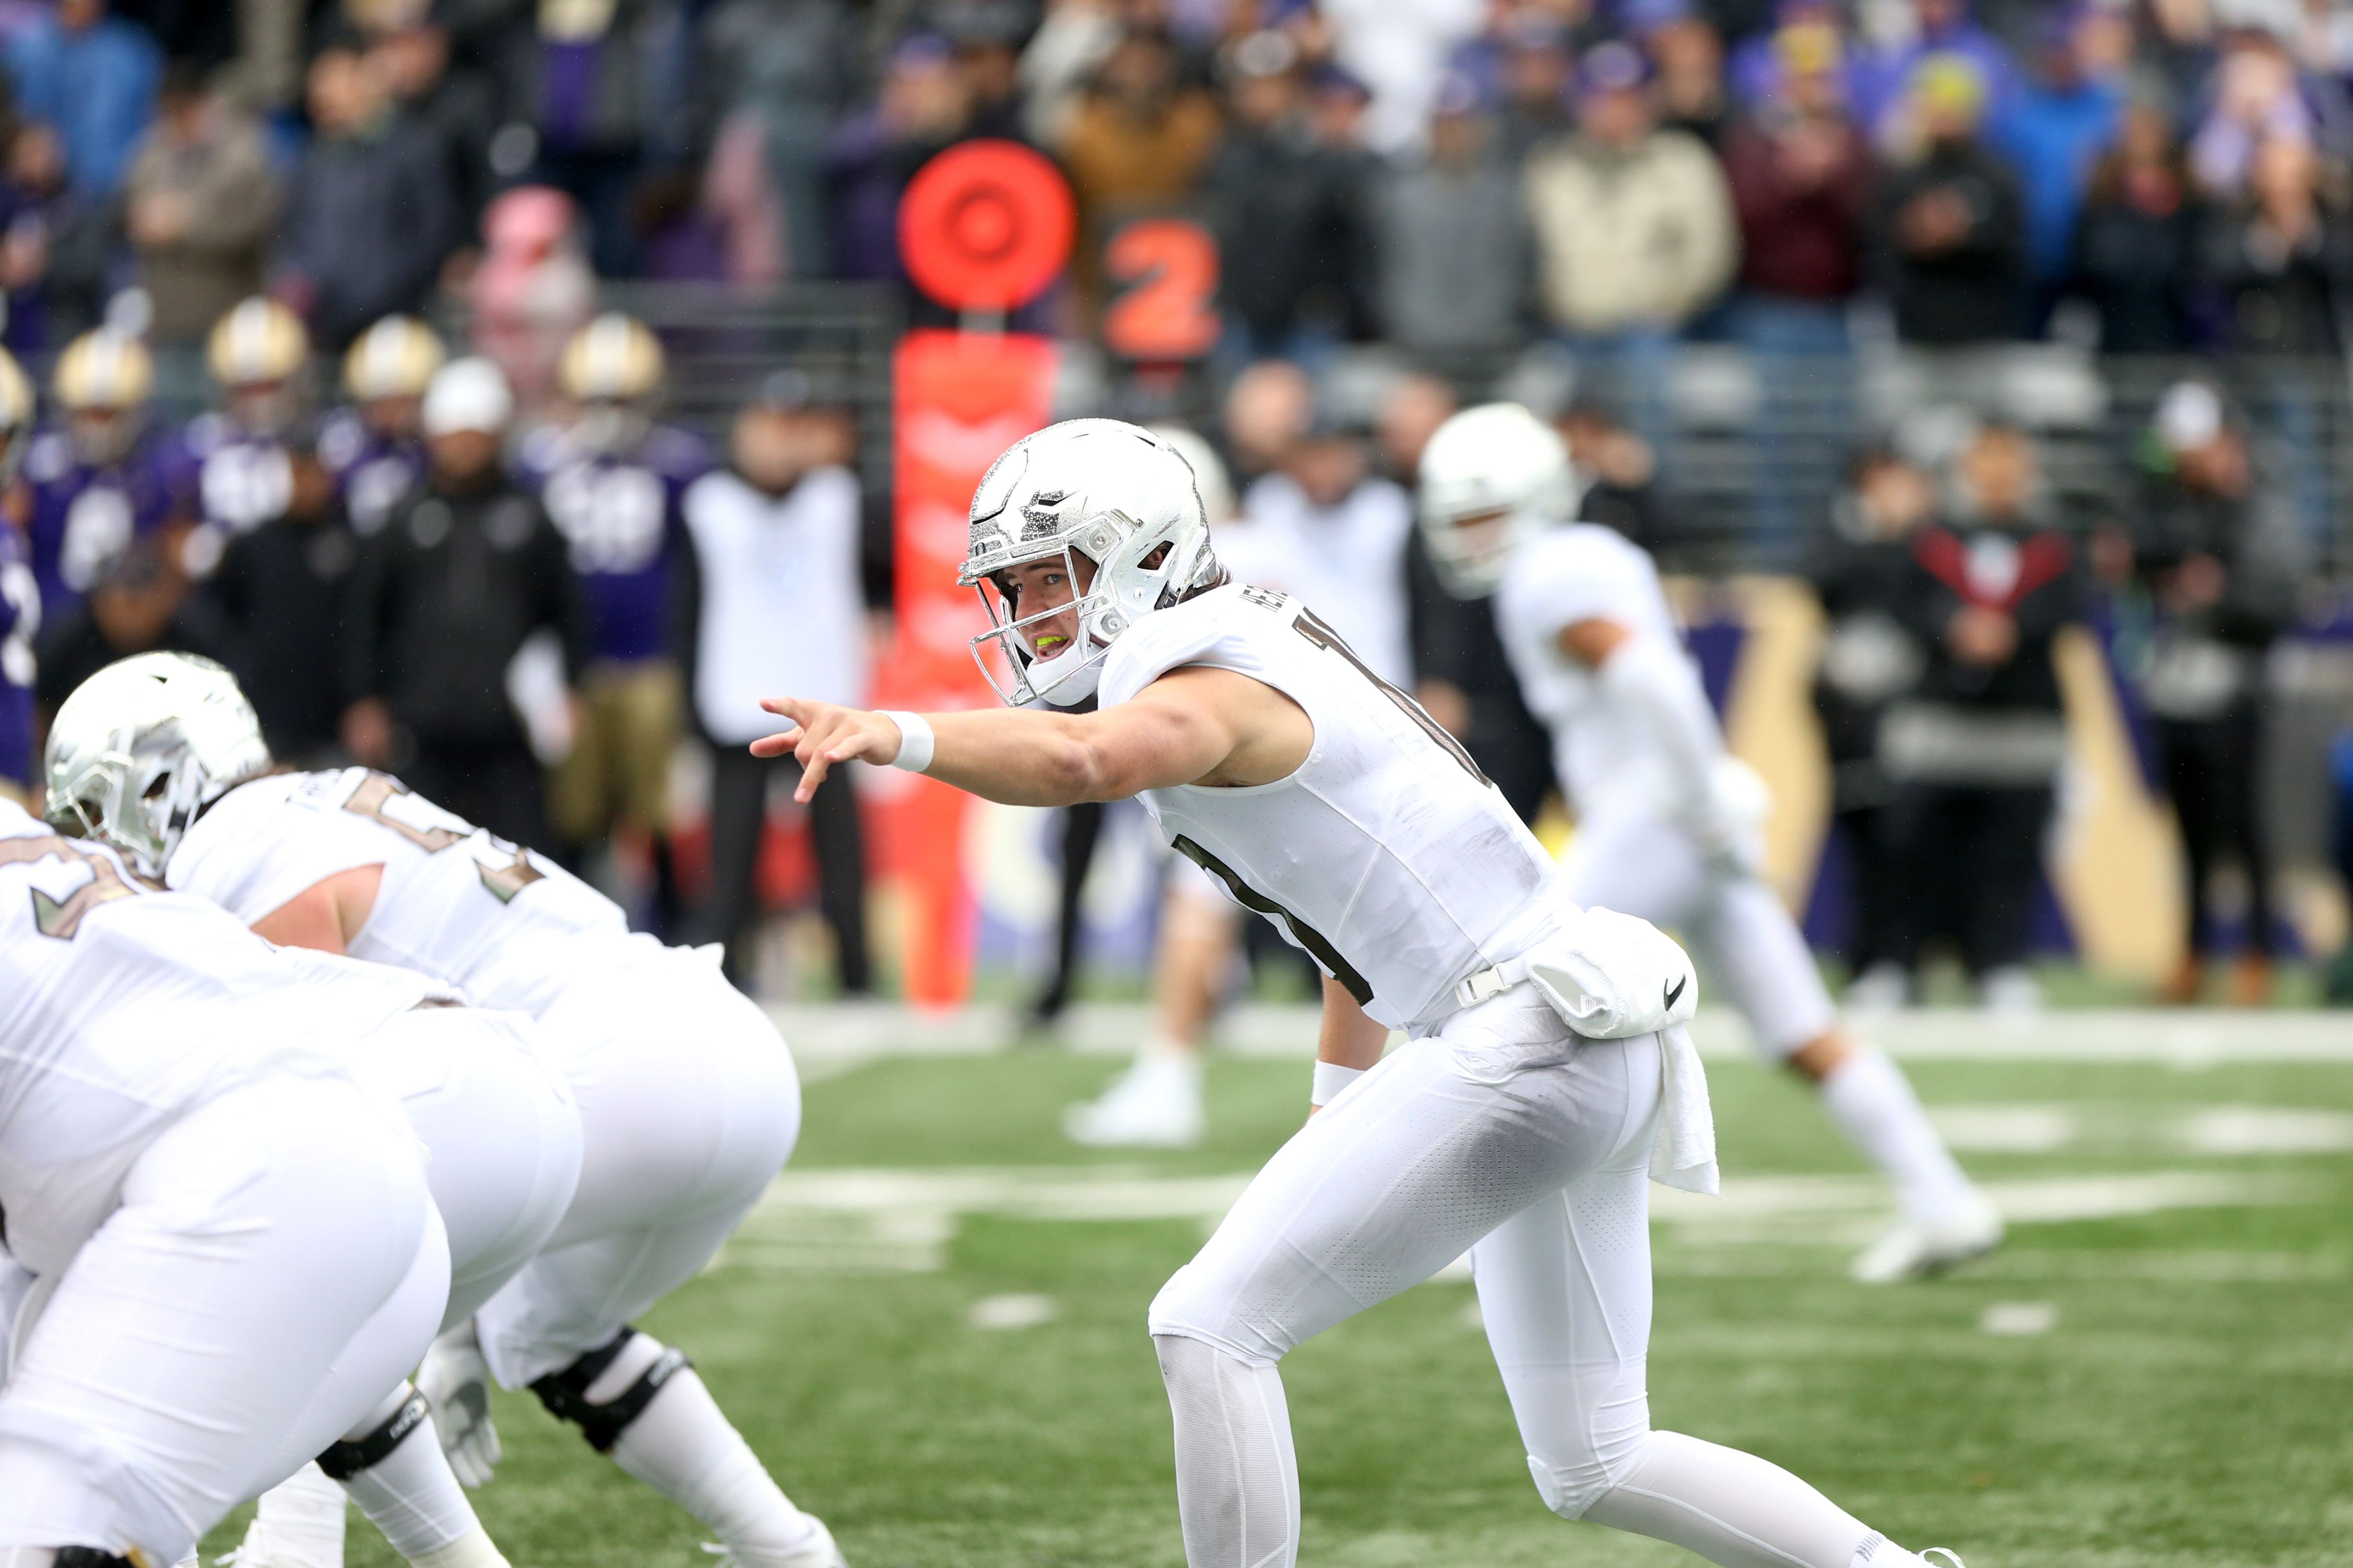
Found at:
(1491, 475)
(1110, 493)
(142, 747)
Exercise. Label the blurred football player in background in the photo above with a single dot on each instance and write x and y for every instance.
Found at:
(375, 447)
(1669, 826)
(111, 476)
(612, 479)
(20, 593)
(258, 355)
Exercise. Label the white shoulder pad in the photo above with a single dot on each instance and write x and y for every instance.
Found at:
(1225, 627)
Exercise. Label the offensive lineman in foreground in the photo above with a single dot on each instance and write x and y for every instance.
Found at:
(236, 1250)
(1668, 824)
(1329, 802)
(688, 1100)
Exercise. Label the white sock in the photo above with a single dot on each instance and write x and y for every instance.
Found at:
(1172, 1058)
(1237, 1477)
(1731, 1507)
(685, 1448)
(302, 1518)
(414, 1497)
(1873, 1103)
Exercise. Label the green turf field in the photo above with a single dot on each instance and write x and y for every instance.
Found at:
(2159, 1371)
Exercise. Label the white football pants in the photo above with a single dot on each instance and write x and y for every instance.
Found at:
(689, 1107)
(1738, 930)
(276, 1265)
(501, 1137)
(1503, 1131)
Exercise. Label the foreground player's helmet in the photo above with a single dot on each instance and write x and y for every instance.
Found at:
(1110, 493)
(1491, 475)
(395, 358)
(612, 368)
(259, 343)
(103, 382)
(142, 747)
(16, 415)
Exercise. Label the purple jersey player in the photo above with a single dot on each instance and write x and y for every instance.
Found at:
(20, 623)
(105, 480)
(619, 512)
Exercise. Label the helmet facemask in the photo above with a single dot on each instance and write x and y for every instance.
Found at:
(1469, 552)
(1129, 571)
(139, 802)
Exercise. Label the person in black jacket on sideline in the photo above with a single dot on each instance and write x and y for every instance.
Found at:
(1974, 752)
(1952, 226)
(280, 592)
(463, 574)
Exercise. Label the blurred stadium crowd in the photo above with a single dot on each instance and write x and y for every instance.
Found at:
(1989, 320)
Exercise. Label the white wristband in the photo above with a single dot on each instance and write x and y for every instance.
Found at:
(916, 741)
(1331, 1077)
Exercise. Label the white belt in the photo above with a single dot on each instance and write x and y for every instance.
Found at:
(1492, 981)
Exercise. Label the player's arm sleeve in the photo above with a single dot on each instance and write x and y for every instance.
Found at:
(1653, 680)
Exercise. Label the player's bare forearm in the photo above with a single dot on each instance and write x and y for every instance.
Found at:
(1350, 1037)
(1021, 757)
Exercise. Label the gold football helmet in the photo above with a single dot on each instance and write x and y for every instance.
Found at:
(395, 358)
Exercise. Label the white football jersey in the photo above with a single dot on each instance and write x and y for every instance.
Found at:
(457, 902)
(1388, 856)
(1602, 753)
(1347, 563)
(121, 1007)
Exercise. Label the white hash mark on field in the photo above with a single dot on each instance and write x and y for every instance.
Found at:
(881, 1220)
(997, 1314)
(2018, 1320)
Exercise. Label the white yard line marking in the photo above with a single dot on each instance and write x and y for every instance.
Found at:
(837, 1038)
(904, 1220)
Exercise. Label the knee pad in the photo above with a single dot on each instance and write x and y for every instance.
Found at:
(1569, 1490)
(88, 1557)
(349, 1457)
(602, 1422)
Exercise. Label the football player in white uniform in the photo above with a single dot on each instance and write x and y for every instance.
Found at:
(688, 1100)
(1327, 800)
(231, 1248)
(1669, 827)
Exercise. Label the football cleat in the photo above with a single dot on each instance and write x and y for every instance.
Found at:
(1156, 1104)
(818, 1551)
(1911, 1250)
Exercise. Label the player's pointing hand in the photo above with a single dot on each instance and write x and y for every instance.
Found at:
(824, 733)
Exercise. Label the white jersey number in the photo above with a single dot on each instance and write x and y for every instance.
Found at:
(612, 517)
(61, 917)
(22, 594)
(502, 878)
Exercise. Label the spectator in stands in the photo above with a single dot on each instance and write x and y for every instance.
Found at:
(2053, 133)
(1884, 83)
(2220, 554)
(1801, 177)
(1634, 233)
(2282, 254)
(532, 288)
(1286, 211)
(93, 78)
(452, 106)
(771, 582)
(1398, 50)
(279, 594)
(56, 246)
(1951, 233)
(1687, 53)
(199, 203)
(1536, 69)
(464, 572)
(1860, 570)
(613, 480)
(1619, 469)
(923, 106)
(1976, 750)
(2253, 97)
(1140, 140)
(580, 76)
(783, 64)
(371, 215)
(1268, 408)
(1450, 239)
(2135, 251)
